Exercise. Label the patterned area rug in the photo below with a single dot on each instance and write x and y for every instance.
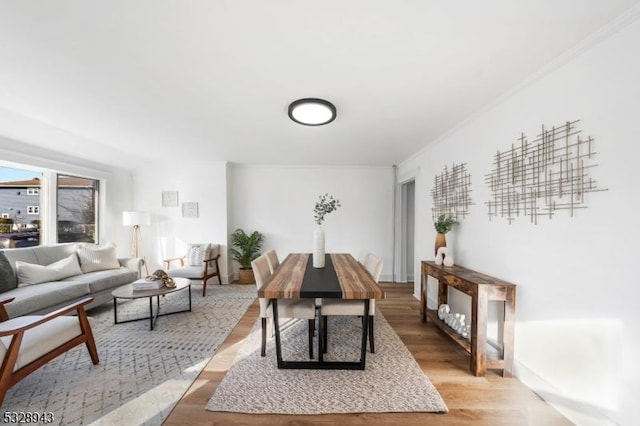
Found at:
(392, 381)
(142, 374)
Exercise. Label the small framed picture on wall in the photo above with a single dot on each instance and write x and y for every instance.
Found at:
(190, 209)
(169, 198)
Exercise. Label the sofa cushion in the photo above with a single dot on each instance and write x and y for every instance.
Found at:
(8, 279)
(29, 273)
(49, 254)
(104, 280)
(38, 297)
(98, 258)
(26, 254)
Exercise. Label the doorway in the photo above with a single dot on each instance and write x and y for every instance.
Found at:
(407, 231)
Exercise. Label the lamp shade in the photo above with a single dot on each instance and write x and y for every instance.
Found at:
(136, 218)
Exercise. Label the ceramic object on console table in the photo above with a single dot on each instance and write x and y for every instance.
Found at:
(443, 310)
(318, 248)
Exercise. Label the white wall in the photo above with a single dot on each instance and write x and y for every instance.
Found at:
(279, 200)
(202, 182)
(577, 303)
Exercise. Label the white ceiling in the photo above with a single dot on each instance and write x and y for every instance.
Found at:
(122, 82)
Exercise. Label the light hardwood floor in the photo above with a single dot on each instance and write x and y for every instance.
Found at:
(490, 400)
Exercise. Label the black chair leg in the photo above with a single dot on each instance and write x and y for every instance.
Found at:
(371, 343)
(263, 351)
(312, 329)
(324, 333)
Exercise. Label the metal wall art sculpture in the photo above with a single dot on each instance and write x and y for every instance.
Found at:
(538, 178)
(450, 193)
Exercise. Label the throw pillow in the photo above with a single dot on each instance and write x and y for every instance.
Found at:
(8, 279)
(29, 273)
(196, 253)
(98, 258)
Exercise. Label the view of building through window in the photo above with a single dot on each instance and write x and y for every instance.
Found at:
(77, 209)
(19, 207)
(21, 211)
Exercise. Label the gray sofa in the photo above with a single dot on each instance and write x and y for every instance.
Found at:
(47, 296)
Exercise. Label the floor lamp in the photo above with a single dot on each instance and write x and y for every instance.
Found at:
(137, 219)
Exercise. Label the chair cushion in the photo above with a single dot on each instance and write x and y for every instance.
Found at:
(214, 251)
(29, 273)
(293, 308)
(194, 272)
(98, 258)
(196, 253)
(345, 307)
(41, 339)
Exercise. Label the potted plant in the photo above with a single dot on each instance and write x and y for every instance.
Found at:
(443, 225)
(244, 249)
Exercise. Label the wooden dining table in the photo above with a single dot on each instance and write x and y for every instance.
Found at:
(343, 277)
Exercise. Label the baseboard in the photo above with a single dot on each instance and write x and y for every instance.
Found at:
(386, 277)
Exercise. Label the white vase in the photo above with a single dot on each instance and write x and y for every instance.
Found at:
(318, 248)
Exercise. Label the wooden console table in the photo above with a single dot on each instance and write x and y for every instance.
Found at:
(482, 289)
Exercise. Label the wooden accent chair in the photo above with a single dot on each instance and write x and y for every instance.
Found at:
(287, 308)
(336, 307)
(29, 342)
(199, 263)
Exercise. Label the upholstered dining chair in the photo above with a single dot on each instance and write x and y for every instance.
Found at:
(29, 342)
(199, 263)
(364, 254)
(272, 258)
(287, 308)
(338, 307)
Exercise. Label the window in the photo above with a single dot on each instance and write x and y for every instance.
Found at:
(73, 219)
(77, 209)
(19, 214)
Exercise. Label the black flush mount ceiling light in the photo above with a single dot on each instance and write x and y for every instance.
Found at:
(312, 111)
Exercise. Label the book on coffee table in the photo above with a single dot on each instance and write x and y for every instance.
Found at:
(143, 284)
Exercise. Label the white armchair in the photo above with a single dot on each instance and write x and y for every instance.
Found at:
(29, 342)
(199, 263)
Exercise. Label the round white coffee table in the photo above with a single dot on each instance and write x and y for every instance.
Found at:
(127, 292)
